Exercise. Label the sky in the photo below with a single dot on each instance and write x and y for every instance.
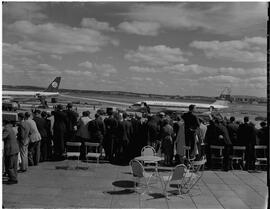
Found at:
(158, 47)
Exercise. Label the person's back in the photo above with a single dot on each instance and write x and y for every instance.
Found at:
(34, 133)
(211, 136)
(11, 146)
(232, 128)
(82, 131)
(246, 134)
(96, 129)
(41, 124)
(222, 130)
(263, 134)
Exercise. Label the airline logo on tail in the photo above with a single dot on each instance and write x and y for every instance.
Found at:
(53, 87)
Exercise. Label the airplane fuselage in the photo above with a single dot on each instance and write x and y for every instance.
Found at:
(178, 105)
(32, 94)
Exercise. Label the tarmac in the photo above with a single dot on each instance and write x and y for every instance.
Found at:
(103, 185)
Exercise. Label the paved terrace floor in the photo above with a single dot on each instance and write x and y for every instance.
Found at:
(110, 186)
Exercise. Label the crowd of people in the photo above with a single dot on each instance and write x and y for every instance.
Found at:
(42, 136)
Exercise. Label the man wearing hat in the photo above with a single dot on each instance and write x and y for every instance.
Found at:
(72, 117)
(59, 130)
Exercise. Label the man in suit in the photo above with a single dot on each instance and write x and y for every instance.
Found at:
(42, 129)
(191, 125)
(71, 128)
(23, 140)
(59, 131)
(232, 129)
(247, 137)
(224, 141)
(11, 150)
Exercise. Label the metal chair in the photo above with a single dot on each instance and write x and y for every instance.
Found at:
(148, 151)
(177, 175)
(75, 145)
(218, 153)
(139, 173)
(194, 175)
(260, 155)
(238, 156)
(97, 154)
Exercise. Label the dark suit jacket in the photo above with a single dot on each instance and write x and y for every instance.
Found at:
(11, 146)
(232, 129)
(191, 121)
(96, 129)
(246, 134)
(42, 126)
(222, 130)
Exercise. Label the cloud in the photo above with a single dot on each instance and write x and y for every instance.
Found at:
(142, 69)
(57, 57)
(23, 11)
(59, 39)
(159, 55)
(96, 25)
(218, 18)
(16, 50)
(86, 64)
(140, 28)
(79, 73)
(245, 50)
(105, 69)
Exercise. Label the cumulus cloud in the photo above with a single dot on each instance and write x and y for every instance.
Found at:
(245, 50)
(80, 73)
(14, 50)
(23, 11)
(105, 69)
(86, 64)
(217, 18)
(142, 69)
(95, 24)
(159, 55)
(55, 56)
(140, 28)
(59, 39)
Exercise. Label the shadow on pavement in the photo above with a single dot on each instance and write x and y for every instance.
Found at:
(124, 184)
(120, 192)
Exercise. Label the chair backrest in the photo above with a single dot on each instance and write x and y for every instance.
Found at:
(216, 147)
(137, 168)
(197, 166)
(73, 144)
(239, 151)
(178, 172)
(260, 150)
(148, 151)
(92, 144)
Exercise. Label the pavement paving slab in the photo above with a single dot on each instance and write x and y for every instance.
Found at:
(92, 185)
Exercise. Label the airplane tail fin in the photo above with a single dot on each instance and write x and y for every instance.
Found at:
(53, 87)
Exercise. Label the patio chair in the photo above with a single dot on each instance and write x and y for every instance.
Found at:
(217, 154)
(238, 156)
(177, 175)
(90, 147)
(139, 173)
(72, 153)
(194, 175)
(260, 155)
(148, 151)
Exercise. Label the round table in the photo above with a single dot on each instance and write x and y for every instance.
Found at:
(149, 159)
